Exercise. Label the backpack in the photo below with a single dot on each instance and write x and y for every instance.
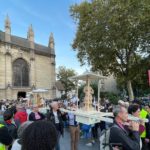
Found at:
(104, 140)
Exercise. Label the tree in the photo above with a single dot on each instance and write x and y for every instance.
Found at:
(63, 75)
(113, 36)
(140, 83)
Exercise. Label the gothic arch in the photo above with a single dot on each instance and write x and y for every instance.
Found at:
(20, 73)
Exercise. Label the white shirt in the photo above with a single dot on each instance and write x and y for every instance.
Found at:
(16, 145)
(66, 103)
(3, 107)
(56, 117)
(74, 99)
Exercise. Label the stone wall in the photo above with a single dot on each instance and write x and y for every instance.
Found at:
(42, 72)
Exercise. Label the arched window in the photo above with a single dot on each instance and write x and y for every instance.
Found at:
(20, 73)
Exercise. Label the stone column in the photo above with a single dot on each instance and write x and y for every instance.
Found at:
(53, 77)
(8, 73)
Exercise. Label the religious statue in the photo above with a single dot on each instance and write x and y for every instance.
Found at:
(88, 97)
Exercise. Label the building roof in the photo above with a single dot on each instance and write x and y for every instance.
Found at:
(25, 44)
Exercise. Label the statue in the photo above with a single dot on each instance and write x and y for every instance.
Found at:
(88, 97)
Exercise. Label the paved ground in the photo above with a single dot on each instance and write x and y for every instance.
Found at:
(65, 143)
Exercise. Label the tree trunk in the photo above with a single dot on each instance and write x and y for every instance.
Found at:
(130, 90)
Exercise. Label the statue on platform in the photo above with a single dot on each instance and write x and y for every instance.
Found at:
(88, 97)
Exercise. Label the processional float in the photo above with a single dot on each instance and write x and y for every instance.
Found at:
(88, 114)
(36, 97)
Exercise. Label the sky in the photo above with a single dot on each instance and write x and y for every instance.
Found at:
(46, 16)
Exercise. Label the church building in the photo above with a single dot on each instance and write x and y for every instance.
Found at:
(25, 65)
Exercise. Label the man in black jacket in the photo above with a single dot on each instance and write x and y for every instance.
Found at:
(119, 136)
(56, 117)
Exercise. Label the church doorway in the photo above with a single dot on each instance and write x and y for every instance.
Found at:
(21, 94)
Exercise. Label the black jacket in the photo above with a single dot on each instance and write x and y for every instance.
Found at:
(147, 127)
(5, 137)
(32, 116)
(128, 140)
(60, 126)
(12, 129)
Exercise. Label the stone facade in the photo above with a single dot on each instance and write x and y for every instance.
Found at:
(40, 61)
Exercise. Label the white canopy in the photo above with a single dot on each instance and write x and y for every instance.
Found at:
(87, 75)
(40, 91)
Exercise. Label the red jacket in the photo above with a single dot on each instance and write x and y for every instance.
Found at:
(20, 117)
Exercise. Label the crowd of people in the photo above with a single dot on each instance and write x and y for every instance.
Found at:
(26, 128)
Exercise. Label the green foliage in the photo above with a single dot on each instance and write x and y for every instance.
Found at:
(140, 83)
(113, 36)
(63, 75)
(112, 97)
(80, 92)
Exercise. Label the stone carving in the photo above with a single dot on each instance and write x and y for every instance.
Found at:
(88, 97)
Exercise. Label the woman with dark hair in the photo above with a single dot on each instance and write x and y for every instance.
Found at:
(134, 110)
(40, 135)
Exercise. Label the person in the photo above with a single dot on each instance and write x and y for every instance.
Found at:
(18, 142)
(119, 136)
(134, 110)
(74, 129)
(20, 116)
(1, 116)
(122, 103)
(56, 117)
(3, 107)
(36, 115)
(40, 135)
(5, 138)
(145, 135)
(12, 128)
(147, 108)
(148, 125)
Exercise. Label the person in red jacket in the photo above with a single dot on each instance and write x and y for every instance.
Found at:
(21, 115)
